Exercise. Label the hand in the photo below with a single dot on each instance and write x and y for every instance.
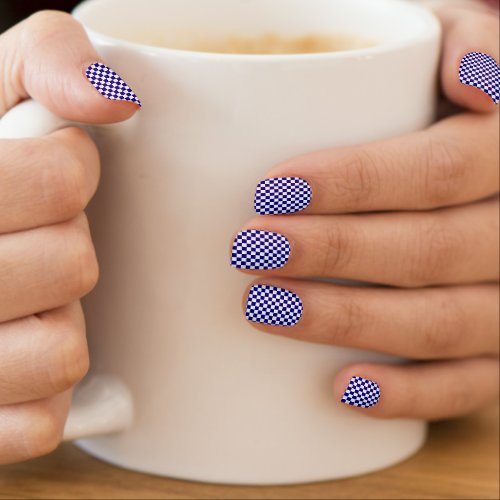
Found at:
(47, 260)
(418, 213)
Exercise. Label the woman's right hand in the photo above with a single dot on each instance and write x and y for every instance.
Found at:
(47, 260)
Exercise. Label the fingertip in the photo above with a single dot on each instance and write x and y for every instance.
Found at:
(103, 111)
(479, 77)
(344, 375)
(357, 386)
(461, 88)
(110, 86)
(470, 98)
(470, 74)
(475, 100)
(340, 382)
(94, 104)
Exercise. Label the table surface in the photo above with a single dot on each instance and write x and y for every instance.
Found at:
(459, 460)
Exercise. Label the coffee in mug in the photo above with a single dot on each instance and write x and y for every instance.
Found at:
(265, 43)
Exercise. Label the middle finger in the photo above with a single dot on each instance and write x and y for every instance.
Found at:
(447, 246)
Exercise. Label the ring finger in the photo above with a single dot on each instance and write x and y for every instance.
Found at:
(427, 323)
(32, 429)
(42, 355)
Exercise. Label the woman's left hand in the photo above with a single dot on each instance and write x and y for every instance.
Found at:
(419, 213)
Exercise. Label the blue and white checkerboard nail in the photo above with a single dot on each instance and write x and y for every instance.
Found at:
(282, 195)
(273, 306)
(110, 84)
(259, 250)
(481, 71)
(361, 392)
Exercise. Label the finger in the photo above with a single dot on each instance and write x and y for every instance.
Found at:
(42, 355)
(428, 323)
(32, 429)
(429, 391)
(46, 57)
(453, 162)
(471, 81)
(447, 246)
(45, 268)
(47, 180)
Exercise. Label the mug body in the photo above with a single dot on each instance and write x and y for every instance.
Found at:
(215, 400)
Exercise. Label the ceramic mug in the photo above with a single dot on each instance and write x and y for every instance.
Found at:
(180, 384)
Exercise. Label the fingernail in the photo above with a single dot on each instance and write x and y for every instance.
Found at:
(361, 392)
(110, 84)
(481, 71)
(282, 195)
(259, 250)
(273, 305)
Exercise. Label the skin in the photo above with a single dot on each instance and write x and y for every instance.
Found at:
(433, 189)
(47, 260)
(420, 215)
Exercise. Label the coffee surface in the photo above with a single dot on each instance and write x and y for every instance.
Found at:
(267, 43)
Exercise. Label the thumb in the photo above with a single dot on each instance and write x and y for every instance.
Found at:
(469, 71)
(49, 58)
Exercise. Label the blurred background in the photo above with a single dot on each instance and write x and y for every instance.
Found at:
(12, 11)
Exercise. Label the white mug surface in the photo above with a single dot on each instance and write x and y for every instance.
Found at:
(214, 400)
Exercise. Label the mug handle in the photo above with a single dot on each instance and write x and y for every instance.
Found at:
(102, 404)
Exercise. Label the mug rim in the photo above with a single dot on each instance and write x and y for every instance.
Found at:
(433, 29)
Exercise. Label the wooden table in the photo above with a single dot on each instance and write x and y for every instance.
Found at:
(460, 460)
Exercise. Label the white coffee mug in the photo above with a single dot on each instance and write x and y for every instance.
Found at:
(181, 383)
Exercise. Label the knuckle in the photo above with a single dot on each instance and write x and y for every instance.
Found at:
(443, 331)
(355, 179)
(28, 150)
(70, 358)
(435, 246)
(64, 184)
(41, 21)
(410, 403)
(458, 399)
(47, 16)
(337, 249)
(44, 432)
(349, 323)
(81, 269)
(444, 171)
(40, 28)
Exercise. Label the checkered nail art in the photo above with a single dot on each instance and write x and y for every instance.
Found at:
(110, 84)
(273, 305)
(282, 195)
(361, 392)
(481, 71)
(259, 250)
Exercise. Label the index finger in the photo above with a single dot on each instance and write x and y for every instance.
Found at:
(452, 162)
(46, 180)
